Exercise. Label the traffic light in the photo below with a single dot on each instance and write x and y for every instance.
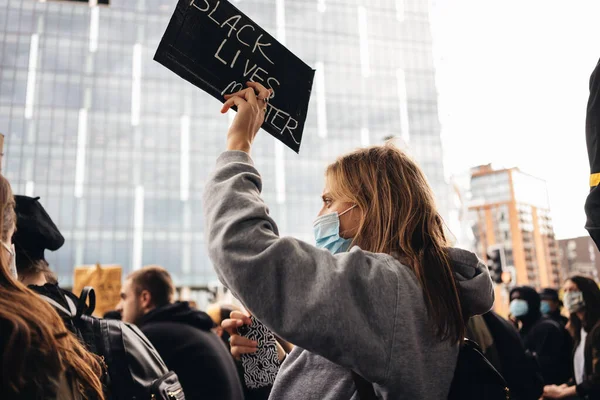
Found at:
(495, 262)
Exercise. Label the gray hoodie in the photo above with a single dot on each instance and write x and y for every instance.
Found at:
(352, 311)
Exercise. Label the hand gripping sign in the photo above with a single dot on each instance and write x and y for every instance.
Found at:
(216, 47)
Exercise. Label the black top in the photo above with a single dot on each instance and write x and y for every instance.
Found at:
(558, 317)
(183, 338)
(550, 342)
(521, 372)
(590, 387)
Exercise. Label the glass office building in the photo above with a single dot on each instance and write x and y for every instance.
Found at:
(119, 148)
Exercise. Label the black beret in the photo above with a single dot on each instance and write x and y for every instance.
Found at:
(549, 294)
(35, 231)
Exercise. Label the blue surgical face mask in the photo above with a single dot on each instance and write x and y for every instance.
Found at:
(545, 308)
(327, 232)
(519, 308)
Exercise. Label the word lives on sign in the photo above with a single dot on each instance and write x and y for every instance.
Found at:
(216, 47)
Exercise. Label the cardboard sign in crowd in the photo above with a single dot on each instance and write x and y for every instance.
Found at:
(216, 47)
(106, 281)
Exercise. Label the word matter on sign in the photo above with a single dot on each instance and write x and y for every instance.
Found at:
(218, 48)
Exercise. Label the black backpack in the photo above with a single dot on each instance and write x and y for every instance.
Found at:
(134, 369)
(475, 378)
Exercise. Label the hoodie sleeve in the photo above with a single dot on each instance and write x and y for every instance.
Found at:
(474, 282)
(320, 302)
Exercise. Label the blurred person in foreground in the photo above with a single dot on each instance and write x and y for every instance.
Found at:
(40, 358)
(181, 335)
(381, 295)
(582, 300)
(544, 337)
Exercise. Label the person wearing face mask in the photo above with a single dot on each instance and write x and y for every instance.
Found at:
(545, 338)
(382, 297)
(551, 305)
(582, 300)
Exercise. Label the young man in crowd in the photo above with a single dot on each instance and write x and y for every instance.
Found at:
(181, 335)
(551, 306)
(542, 336)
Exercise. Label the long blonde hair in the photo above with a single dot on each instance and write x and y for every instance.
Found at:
(37, 348)
(399, 217)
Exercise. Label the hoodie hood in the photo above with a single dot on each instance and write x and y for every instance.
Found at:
(179, 312)
(474, 283)
(531, 296)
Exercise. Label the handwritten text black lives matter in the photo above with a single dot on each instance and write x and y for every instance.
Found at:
(228, 53)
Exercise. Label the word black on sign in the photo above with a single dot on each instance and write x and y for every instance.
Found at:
(216, 47)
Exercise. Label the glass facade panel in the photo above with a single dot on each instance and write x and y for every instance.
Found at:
(111, 177)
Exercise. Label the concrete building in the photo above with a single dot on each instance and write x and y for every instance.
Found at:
(579, 256)
(511, 211)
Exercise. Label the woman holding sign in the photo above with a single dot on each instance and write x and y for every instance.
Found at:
(381, 294)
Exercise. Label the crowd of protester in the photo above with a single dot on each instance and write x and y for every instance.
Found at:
(379, 307)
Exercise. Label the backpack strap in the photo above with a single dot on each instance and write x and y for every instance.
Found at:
(86, 292)
(363, 387)
(70, 313)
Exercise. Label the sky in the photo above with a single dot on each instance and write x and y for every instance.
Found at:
(512, 79)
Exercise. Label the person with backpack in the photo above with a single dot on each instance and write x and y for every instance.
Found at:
(582, 300)
(36, 233)
(542, 336)
(132, 367)
(40, 358)
(182, 336)
(381, 295)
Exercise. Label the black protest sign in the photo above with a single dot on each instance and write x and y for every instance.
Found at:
(216, 47)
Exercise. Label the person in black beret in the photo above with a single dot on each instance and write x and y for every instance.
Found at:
(551, 306)
(36, 233)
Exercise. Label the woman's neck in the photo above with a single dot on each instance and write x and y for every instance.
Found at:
(581, 316)
(36, 279)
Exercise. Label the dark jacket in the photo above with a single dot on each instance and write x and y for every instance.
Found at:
(59, 295)
(592, 138)
(183, 338)
(590, 387)
(546, 339)
(558, 317)
(551, 345)
(56, 293)
(519, 368)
